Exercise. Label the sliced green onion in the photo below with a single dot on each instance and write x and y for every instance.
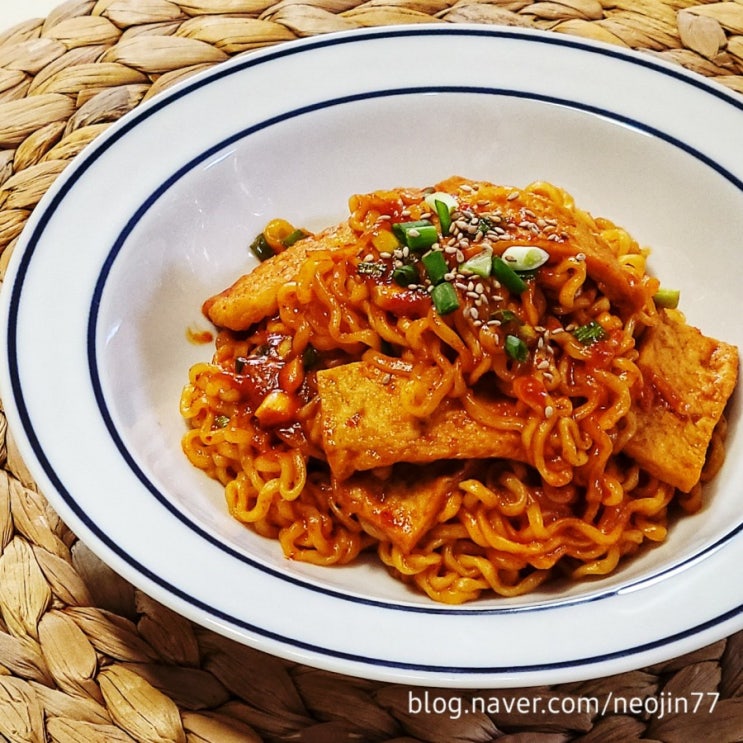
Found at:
(444, 297)
(505, 316)
(480, 264)
(589, 333)
(485, 224)
(447, 199)
(435, 265)
(400, 229)
(221, 421)
(418, 236)
(525, 257)
(516, 348)
(294, 237)
(444, 215)
(667, 298)
(261, 249)
(507, 276)
(405, 275)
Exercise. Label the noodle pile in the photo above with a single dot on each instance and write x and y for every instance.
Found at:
(550, 368)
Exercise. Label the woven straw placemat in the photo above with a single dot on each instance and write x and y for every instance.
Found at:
(84, 656)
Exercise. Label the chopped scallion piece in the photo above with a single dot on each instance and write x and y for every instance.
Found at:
(294, 237)
(447, 199)
(525, 257)
(435, 265)
(589, 333)
(507, 276)
(505, 316)
(405, 275)
(667, 298)
(418, 236)
(261, 249)
(444, 297)
(221, 421)
(516, 348)
(444, 215)
(480, 264)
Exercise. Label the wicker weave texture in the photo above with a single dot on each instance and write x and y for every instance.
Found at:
(85, 657)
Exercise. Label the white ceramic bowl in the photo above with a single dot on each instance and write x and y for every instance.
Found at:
(156, 216)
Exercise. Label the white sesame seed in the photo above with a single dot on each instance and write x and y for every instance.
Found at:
(549, 411)
(513, 195)
(384, 255)
(368, 258)
(460, 256)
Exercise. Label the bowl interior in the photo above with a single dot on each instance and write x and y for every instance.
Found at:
(191, 238)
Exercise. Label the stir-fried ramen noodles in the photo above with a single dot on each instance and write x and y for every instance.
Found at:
(481, 383)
